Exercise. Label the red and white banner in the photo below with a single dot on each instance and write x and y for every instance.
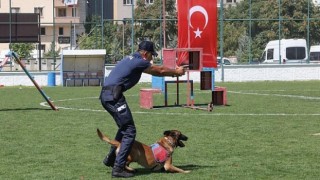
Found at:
(197, 28)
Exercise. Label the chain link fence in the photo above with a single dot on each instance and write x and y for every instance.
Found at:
(248, 33)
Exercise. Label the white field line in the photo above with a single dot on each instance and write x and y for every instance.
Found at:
(201, 114)
(186, 114)
(279, 95)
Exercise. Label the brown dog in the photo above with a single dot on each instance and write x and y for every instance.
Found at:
(156, 156)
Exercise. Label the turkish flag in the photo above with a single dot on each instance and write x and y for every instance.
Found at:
(197, 28)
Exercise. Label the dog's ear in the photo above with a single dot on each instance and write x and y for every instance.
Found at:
(172, 133)
(167, 133)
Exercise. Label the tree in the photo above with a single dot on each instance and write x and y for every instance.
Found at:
(115, 36)
(52, 52)
(150, 25)
(23, 49)
(265, 25)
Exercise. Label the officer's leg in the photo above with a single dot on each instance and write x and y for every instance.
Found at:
(111, 156)
(128, 130)
(129, 133)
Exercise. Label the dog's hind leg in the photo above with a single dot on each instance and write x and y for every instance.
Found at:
(129, 160)
(129, 168)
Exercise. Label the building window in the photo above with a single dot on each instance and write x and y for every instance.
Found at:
(15, 10)
(43, 47)
(234, 1)
(229, 1)
(62, 12)
(43, 31)
(74, 12)
(127, 2)
(149, 1)
(39, 10)
(60, 31)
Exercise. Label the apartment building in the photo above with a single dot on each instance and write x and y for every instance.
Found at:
(117, 10)
(59, 22)
(122, 9)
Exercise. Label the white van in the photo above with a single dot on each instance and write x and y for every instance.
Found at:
(288, 50)
(315, 54)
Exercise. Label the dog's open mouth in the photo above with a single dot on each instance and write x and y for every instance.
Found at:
(181, 138)
(180, 144)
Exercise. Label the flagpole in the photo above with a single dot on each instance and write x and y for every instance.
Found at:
(188, 25)
(53, 48)
(10, 20)
(74, 25)
(102, 26)
(132, 29)
(164, 22)
(221, 39)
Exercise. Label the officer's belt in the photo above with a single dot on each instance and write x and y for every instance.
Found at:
(108, 88)
(118, 88)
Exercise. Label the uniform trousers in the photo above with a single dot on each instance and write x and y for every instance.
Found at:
(126, 134)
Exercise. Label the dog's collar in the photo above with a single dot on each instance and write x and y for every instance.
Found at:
(170, 142)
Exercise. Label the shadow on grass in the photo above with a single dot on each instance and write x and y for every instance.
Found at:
(184, 105)
(25, 109)
(189, 167)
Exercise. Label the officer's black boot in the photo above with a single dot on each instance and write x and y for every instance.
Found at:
(111, 157)
(118, 172)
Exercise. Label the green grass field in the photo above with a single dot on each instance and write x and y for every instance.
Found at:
(267, 131)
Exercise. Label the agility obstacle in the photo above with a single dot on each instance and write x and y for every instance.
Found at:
(193, 59)
(197, 49)
(17, 59)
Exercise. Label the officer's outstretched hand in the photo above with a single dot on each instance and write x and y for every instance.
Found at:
(180, 70)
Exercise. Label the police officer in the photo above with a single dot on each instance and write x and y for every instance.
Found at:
(124, 76)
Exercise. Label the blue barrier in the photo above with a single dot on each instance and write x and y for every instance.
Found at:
(51, 78)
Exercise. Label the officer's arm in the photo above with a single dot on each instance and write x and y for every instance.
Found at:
(157, 70)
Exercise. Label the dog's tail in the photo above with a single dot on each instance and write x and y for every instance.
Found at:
(106, 139)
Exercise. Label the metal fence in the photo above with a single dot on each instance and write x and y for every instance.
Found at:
(244, 33)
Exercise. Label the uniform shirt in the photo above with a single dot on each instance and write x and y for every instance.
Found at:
(127, 72)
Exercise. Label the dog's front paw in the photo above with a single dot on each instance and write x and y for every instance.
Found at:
(186, 171)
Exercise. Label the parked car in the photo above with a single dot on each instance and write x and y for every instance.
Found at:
(224, 61)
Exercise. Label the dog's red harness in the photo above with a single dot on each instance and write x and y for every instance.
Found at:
(160, 153)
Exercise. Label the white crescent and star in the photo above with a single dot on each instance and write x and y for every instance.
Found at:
(205, 14)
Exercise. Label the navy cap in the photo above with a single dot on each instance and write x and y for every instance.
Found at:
(148, 46)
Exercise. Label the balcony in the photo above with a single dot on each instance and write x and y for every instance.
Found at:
(67, 19)
(66, 14)
(59, 3)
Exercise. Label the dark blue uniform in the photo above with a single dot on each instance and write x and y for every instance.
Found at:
(123, 76)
